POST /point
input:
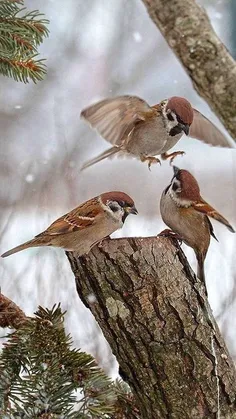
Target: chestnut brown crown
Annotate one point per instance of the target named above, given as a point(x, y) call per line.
point(120, 197)
point(182, 108)
point(189, 187)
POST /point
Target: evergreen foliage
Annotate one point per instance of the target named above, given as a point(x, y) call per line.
point(21, 33)
point(42, 376)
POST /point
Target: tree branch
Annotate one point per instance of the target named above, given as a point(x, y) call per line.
point(187, 29)
point(10, 314)
point(155, 316)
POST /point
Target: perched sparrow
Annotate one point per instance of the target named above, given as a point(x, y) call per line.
point(144, 131)
point(186, 213)
point(80, 229)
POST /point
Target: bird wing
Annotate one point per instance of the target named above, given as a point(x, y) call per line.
point(205, 208)
point(115, 118)
point(211, 229)
point(75, 220)
point(203, 129)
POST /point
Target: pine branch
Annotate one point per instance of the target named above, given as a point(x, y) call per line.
point(42, 376)
point(21, 33)
point(23, 70)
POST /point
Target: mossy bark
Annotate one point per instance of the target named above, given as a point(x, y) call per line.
point(187, 29)
point(154, 313)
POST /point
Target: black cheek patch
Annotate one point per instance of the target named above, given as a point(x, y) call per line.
point(114, 207)
point(176, 130)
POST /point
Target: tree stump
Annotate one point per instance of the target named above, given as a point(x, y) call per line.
point(154, 313)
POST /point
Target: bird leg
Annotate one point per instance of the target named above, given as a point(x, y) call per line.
point(150, 159)
point(169, 233)
point(172, 156)
point(100, 242)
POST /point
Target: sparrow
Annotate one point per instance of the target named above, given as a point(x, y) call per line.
point(186, 213)
point(144, 131)
point(83, 227)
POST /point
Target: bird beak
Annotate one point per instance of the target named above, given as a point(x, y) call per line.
point(185, 128)
point(131, 210)
point(176, 170)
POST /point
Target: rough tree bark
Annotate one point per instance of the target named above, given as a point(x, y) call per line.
point(188, 31)
point(155, 316)
point(10, 314)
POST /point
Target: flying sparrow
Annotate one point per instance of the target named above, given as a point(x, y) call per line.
point(144, 131)
point(186, 213)
point(80, 229)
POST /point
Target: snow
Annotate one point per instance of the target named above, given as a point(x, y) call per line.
point(29, 178)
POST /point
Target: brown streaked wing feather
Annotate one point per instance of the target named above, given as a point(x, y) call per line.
point(157, 107)
point(211, 229)
point(204, 207)
point(203, 129)
point(115, 118)
point(77, 219)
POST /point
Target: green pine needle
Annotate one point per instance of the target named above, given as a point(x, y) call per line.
point(42, 374)
point(21, 33)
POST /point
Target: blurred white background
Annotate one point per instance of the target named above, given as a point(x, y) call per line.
point(100, 48)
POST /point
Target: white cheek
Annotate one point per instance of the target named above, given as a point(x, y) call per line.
point(169, 124)
point(118, 214)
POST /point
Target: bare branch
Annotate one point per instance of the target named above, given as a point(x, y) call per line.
point(187, 29)
point(10, 314)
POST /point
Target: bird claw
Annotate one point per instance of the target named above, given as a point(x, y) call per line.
point(169, 233)
point(100, 242)
point(151, 160)
point(172, 156)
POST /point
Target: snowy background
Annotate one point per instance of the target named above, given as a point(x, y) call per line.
point(100, 48)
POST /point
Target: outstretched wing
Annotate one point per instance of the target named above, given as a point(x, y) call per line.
point(204, 207)
point(115, 118)
point(77, 219)
point(203, 129)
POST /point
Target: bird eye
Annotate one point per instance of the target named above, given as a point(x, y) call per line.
point(180, 121)
point(176, 186)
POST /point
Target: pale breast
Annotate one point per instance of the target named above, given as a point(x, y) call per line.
point(150, 138)
point(171, 141)
point(191, 225)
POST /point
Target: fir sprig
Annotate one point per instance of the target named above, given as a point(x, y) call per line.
point(42, 376)
point(21, 32)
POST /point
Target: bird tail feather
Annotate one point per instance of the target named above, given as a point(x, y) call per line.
point(26, 245)
point(201, 270)
point(205, 208)
point(222, 220)
point(108, 153)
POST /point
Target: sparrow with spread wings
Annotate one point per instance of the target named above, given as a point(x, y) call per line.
point(143, 131)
